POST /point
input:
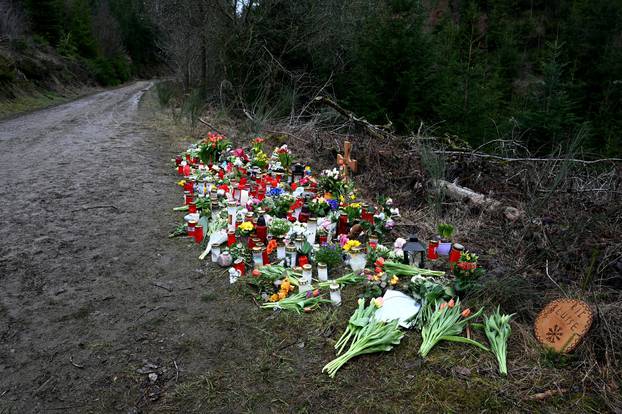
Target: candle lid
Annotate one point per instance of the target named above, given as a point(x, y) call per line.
point(291, 248)
point(307, 267)
point(215, 245)
point(458, 246)
point(321, 265)
point(311, 219)
point(334, 286)
point(356, 249)
point(256, 249)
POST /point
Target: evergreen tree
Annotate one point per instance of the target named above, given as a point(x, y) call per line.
point(45, 18)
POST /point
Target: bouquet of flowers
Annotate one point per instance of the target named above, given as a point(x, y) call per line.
point(279, 227)
point(498, 330)
point(446, 324)
point(212, 147)
point(319, 207)
point(466, 271)
point(373, 336)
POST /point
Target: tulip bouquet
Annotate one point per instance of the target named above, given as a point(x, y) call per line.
point(498, 330)
point(301, 301)
point(400, 269)
point(446, 324)
point(359, 319)
point(349, 279)
point(376, 336)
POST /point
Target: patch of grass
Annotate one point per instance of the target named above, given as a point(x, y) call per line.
point(30, 102)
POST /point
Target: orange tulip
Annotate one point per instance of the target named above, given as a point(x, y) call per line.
point(466, 313)
point(443, 306)
point(451, 303)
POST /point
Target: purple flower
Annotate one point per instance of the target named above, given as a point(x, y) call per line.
point(334, 204)
point(309, 294)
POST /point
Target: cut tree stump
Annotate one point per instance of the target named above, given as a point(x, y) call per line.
point(469, 196)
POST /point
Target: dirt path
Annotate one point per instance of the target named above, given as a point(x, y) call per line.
point(91, 290)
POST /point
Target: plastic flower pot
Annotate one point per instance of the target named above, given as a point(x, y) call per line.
point(443, 248)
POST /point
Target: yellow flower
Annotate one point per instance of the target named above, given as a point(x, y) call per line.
point(246, 226)
point(342, 199)
point(350, 244)
point(394, 280)
point(181, 183)
point(274, 298)
point(355, 205)
point(352, 197)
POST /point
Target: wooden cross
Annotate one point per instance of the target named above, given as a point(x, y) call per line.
point(345, 162)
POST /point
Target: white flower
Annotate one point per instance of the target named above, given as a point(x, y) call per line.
point(395, 212)
point(399, 243)
point(389, 202)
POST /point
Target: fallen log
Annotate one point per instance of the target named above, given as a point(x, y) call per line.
point(469, 196)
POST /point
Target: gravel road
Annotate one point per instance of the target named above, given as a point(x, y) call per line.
point(93, 296)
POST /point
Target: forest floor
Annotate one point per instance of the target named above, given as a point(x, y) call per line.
point(94, 297)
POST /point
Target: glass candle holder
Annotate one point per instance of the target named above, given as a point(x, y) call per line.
point(257, 257)
point(322, 272)
point(290, 256)
point(188, 197)
point(357, 259)
point(191, 226)
point(240, 266)
point(455, 252)
point(215, 252)
point(198, 234)
point(311, 230)
point(432, 253)
point(342, 224)
point(192, 208)
point(230, 238)
point(305, 282)
point(335, 294)
point(280, 250)
point(232, 209)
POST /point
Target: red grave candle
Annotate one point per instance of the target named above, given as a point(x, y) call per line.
point(323, 239)
point(342, 224)
point(192, 208)
point(178, 160)
point(191, 227)
point(455, 253)
point(230, 238)
point(240, 266)
point(180, 169)
point(198, 234)
point(432, 245)
point(188, 197)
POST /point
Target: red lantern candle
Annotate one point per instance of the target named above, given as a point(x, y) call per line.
point(186, 170)
point(189, 186)
point(262, 232)
point(342, 224)
point(221, 174)
point(192, 207)
point(187, 156)
point(195, 160)
point(455, 253)
point(191, 227)
point(264, 255)
point(188, 197)
point(178, 160)
point(198, 234)
point(261, 193)
point(323, 239)
point(303, 217)
point(303, 260)
point(240, 266)
point(180, 169)
point(432, 245)
point(230, 238)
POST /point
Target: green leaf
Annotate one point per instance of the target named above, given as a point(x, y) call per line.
point(463, 340)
